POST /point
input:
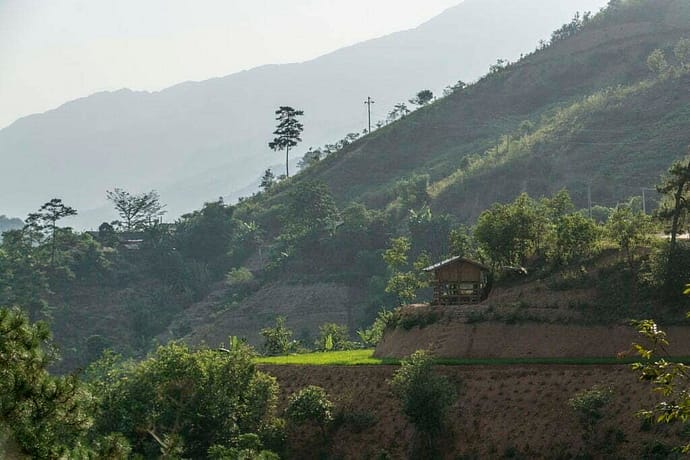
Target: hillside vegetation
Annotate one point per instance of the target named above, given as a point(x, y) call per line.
point(595, 113)
point(496, 171)
point(196, 141)
point(584, 110)
point(517, 411)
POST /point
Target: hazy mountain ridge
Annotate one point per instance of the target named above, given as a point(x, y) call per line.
point(592, 82)
point(141, 140)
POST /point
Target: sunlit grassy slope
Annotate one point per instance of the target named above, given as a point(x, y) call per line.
point(365, 357)
point(333, 358)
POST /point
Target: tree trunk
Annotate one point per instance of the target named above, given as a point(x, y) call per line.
point(670, 262)
point(52, 246)
point(676, 214)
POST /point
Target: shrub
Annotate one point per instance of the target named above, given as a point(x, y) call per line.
point(373, 335)
point(241, 281)
point(333, 337)
point(588, 406)
point(278, 339)
point(426, 397)
point(310, 404)
point(417, 317)
point(191, 400)
point(667, 275)
point(239, 276)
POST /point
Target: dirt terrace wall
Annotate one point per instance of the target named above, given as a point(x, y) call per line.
point(518, 411)
point(528, 340)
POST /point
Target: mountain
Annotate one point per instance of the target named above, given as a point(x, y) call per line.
point(196, 141)
point(584, 113)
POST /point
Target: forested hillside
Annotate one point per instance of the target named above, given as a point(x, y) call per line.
point(538, 171)
point(589, 112)
point(196, 141)
point(586, 109)
point(601, 107)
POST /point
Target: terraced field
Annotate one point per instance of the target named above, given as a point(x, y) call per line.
point(503, 411)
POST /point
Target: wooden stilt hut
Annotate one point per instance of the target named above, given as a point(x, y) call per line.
point(459, 281)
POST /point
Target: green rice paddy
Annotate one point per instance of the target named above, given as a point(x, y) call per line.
point(366, 357)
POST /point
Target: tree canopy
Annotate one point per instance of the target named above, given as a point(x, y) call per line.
point(46, 220)
point(46, 415)
point(137, 211)
point(426, 397)
point(183, 402)
point(287, 132)
point(422, 98)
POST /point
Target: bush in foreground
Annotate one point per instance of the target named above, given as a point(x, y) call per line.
point(183, 402)
point(310, 405)
point(426, 397)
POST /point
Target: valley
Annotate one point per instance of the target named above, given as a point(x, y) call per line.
point(561, 177)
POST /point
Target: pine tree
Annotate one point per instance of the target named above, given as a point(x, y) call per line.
point(287, 132)
point(46, 219)
point(677, 187)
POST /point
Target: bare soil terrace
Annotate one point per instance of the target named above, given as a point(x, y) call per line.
point(518, 411)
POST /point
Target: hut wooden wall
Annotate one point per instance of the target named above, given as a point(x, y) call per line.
point(460, 272)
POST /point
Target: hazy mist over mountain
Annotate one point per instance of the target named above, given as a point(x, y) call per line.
point(196, 141)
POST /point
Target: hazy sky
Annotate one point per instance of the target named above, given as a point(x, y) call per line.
point(52, 51)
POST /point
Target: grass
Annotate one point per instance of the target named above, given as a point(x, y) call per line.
point(365, 357)
point(330, 358)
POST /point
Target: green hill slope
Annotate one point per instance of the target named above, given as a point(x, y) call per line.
point(589, 128)
point(584, 112)
point(615, 141)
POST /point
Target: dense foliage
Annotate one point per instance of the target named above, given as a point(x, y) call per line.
point(177, 402)
point(47, 416)
point(310, 405)
point(671, 380)
point(369, 222)
point(277, 339)
point(426, 397)
point(183, 401)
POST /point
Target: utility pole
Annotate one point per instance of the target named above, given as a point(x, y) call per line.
point(368, 102)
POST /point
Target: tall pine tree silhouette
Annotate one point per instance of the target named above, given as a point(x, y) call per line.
point(287, 132)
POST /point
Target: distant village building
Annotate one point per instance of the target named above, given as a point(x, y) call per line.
point(459, 281)
point(106, 234)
